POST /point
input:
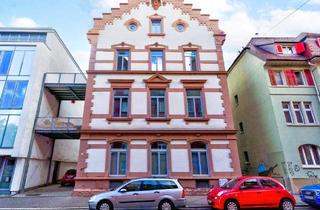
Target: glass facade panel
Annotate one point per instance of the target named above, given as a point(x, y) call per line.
point(5, 60)
point(16, 63)
point(13, 94)
point(27, 63)
point(3, 124)
point(22, 37)
point(11, 131)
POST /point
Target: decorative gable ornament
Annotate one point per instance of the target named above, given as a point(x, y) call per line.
point(156, 4)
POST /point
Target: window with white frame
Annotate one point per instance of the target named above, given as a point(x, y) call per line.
point(279, 78)
point(298, 112)
point(118, 160)
point(289, 50)
point(309, 113)
point(299, 78)
point(310, 155)
point(287, 112)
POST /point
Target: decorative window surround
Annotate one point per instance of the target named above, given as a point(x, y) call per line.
point(180, 22)
point(299, 114)
point(130, 22)
point(310, 156)
point(153, 20)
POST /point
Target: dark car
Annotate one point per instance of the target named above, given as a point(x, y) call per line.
point(310, 194)
point(68, 178)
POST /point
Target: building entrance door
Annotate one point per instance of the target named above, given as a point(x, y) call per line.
point(6, 173)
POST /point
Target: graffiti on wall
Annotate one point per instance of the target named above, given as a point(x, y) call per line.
point(292, 169)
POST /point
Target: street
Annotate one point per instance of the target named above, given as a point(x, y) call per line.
point(61, 203)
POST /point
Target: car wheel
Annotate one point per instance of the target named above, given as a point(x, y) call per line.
point(286, 204)
point(166, 205)
point(231, 205)
point(104, 205)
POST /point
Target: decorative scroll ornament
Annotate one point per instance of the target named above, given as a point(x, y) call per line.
point(156, 4)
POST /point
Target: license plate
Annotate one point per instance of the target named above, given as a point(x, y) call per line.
point(309, 197)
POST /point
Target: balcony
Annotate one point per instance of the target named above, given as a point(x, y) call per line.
point(66, 86)
point(59, 128)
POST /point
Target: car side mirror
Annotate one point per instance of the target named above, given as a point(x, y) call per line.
point(123, 190)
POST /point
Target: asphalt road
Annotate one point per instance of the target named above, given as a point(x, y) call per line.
point(61, 203)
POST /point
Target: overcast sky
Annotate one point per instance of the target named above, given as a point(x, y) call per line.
point(240, 19)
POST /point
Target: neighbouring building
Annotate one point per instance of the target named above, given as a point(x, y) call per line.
point(274, 89)
point(32, 63)
point(157, 100)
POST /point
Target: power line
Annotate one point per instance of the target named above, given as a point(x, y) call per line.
point(286, 17)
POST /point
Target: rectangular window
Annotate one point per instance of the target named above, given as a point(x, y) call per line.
point(5, 60)
point(241, 128)
point(289, 50)
point(236, 99)
point(287, 112)
point(299, 78)
point(194, 101)
point(13, 94)
point(158, 103)
point(123, 60)
point(309, 112)
point(190, 58)
point(8, 130)
point(199, 163)
point(279, 78)
point(157, 60)
point(156, 27)
point(120, 102)
point(21, 63)
point(118, 163)
point(298, 112)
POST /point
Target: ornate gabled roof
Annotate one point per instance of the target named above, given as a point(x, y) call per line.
point(108, 18)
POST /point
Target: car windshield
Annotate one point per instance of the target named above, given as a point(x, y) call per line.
point(231, 184)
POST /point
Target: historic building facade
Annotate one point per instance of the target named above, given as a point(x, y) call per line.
point(274, 89)
point(157, 100)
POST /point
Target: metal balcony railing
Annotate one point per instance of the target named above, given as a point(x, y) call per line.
point(66, 86)
point(59, 128)
point(65, 78)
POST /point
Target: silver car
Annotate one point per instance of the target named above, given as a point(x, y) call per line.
point(147, 193)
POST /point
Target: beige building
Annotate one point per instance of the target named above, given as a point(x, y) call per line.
point(157, 100)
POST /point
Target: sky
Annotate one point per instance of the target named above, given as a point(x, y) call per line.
point(239, 19)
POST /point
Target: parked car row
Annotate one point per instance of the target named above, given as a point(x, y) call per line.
point(166, 194)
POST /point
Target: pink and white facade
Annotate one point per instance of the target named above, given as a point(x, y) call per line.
point(157, 99)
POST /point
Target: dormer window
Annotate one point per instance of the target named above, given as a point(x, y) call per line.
point(289, 50)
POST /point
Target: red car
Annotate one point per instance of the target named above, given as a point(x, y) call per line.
point(251, 192)
point(68, 177)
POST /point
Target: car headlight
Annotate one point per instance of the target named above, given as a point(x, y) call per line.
point(93, 198)
point(317, 192)
point(221, 193)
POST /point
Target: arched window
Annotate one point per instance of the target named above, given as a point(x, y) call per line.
point(159, 159)
point(310, 155)
point(199, 158)
point(118, 160)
